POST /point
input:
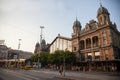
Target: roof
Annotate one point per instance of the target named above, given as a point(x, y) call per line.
point(102, 10)
point(76, 23)
point(61, 37)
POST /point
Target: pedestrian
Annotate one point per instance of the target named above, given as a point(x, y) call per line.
point(60, 71)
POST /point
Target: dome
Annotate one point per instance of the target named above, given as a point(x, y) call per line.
point(102, 10)
point(76, 23)
point(37, 44)
point(43, 42)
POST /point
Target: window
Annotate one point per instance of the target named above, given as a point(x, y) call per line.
point(106, 55)
point(100, 19)
point(104, 37)
point(74, 48)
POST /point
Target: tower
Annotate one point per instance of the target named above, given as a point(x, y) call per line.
point(103, 16)
point(43, 45)
point(37, 48)
point(76, 28)
point(76, 38)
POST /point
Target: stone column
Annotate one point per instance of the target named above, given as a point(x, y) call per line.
point(91, 43)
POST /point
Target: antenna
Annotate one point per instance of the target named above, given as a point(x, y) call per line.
point(76, 13)
point(100, 2)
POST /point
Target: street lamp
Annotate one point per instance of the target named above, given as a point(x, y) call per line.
point(6, 52)
point(64, 66)
point(18, 51)
point(41, 27)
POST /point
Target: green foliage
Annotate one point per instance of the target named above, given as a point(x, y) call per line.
point(34, 58)
point(44, 58)
point(55, 58)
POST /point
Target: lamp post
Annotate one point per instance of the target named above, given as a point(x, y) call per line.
point(64, 66)
point(18, 52)
point(41, 27)
point(6, 52)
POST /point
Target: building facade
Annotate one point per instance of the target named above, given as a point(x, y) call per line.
point(98, 40)
point(3, 52)
point(97, 45)
point(60, 43)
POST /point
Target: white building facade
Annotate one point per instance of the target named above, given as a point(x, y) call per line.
point(60, 43)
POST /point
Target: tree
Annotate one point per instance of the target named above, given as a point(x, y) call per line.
point(34, 58)
point(44, 58)
point(70, 57)
point(55, 58)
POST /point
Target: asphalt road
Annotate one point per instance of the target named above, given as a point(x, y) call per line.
point(7, 74)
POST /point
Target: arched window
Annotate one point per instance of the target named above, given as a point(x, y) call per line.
point(88, 43)
point(95, 41)
point(82, 44)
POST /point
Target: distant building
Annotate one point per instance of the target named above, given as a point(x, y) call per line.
point(60, 43)
point(3, 52)
point(37, 48)
point(43, 47)
point(13, 54)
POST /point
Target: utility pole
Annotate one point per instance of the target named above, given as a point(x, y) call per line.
point(6, 52)
point(41, 27)
point(18, 52)
point(64, 66)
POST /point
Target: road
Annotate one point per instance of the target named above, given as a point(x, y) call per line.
point(7, 74)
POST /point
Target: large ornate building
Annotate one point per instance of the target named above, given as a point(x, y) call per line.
point(97, 45)
point(98, 40)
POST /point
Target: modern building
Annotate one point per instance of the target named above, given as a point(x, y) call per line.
point(13, 54)
point(3, 52)
point(60, 43)
point(9, 56)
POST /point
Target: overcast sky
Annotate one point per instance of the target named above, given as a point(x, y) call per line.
point(21, 19)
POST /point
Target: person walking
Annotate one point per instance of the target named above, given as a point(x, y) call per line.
point(60, 70)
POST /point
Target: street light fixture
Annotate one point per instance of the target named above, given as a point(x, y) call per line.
point(64, 66)
point(18, 52)
point(41, 27)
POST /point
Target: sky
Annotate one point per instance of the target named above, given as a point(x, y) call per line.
point(21, 19)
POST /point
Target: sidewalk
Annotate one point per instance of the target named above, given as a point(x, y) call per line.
point(80, 75)
point(86, 72)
